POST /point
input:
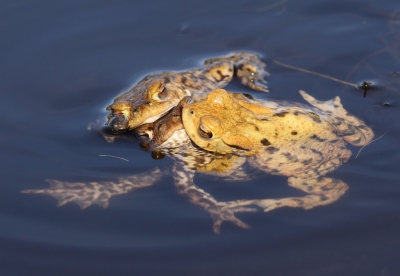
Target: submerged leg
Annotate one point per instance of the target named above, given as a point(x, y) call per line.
point(87, 193)
point(352, 129)
point(219, 211)
point(321, 191)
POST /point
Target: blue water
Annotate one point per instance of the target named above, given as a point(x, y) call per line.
point(63, 62)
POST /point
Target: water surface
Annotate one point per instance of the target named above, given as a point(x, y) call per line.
point(63, 62)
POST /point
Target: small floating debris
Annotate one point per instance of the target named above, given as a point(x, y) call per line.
point(106, 155)
point(366, 85)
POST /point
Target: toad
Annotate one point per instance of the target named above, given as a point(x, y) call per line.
point(299, 142)
point(157, 93)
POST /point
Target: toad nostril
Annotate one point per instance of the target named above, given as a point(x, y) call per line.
point(119, 123)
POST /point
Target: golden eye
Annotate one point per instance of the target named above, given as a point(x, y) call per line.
point(204, 132)
point(161, 89)
point(161, 92)
point(157, 91)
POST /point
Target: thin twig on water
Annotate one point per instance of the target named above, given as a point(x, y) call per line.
point(315, 73)
point(370, 143)
point(114, 157)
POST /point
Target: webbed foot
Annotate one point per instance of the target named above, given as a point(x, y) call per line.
point(250, 70)
point(225, 212)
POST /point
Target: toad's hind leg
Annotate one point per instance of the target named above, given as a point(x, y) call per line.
point(219, 211)
point(353, 130)
point(249, 69)
point(97, 192)
point(321, 190)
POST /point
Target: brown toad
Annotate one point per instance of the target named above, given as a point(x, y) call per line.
point(302, 143)
point(157, 93)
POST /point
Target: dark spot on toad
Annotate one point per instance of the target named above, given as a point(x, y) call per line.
point(271, 150)
point(294, 132)
point(316, 137)
point(265, 142)
point(281, 114)
point(324, 188)
point(317, 152)
point(307, 162)
point(323, 197)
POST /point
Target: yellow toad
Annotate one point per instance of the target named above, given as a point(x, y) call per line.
point(300, 142)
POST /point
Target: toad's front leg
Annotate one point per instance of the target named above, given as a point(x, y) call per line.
point(321, 191)
point(248, 66)
point(219, 211)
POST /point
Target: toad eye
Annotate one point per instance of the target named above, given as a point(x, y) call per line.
point(158, 92)
point(204, 132)
point(162, 92)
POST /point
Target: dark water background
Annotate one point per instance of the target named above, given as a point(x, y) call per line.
point(62, 63)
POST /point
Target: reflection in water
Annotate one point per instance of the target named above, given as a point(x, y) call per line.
point(301, 142)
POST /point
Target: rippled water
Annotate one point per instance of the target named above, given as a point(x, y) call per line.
point(63, 62)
